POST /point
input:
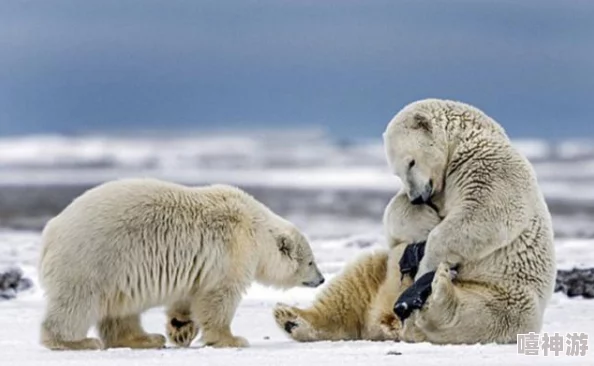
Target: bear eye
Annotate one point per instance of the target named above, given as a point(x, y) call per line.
point(310, 263)
point(411, 164)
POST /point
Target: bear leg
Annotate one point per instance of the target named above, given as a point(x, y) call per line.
point(436, 312)
point(301, 325)
point(441, 305)
point(215, 310)
point(127, 332)
point(66, 323)
point(471, 313)
point(410, 332)
point(383, 323)
point(181, 328)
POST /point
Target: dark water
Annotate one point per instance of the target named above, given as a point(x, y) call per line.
point(321, 212)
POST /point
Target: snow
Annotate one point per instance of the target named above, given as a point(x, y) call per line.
point(19, 323)
point(298, 160)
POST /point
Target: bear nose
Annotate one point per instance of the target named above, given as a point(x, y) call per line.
point(418, 200)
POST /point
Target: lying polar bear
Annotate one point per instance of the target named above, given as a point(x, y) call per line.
point(358, 303)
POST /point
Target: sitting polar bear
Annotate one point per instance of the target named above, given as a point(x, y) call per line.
point(129, 245)
point(358, 303)
point(496, 228)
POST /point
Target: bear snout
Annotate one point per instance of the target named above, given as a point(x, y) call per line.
point(423, 195)
point(315, 283)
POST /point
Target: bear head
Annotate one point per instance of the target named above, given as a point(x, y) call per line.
point(416, 149)
point(291, 262)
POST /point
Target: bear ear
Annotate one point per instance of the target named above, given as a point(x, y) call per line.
point(284, 245)
point(421, 121)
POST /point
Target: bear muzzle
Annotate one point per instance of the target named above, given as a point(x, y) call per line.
point(315, 283)
point(423, 195)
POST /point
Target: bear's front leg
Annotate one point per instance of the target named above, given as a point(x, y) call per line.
point(215, 310)
point(432, 285)
point(442, 303)
point(414, 297)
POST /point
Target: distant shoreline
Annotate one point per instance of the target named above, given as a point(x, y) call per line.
point(29, 206)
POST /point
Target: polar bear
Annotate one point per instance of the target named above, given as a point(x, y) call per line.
point(358, 303)
point(496, 228)
point(129, 245)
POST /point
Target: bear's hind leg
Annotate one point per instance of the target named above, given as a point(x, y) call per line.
point(306, 325)
point(127, 332)
point(181, 328)
point(470, 313)
point(215, 311)
point(66, 324)
point(382, 322)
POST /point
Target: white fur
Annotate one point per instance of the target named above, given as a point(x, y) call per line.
point(405, 223)
point(358, 304)
point(496, 225)
point(129, 245)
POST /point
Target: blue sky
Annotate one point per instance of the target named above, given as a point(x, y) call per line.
point(346, 66)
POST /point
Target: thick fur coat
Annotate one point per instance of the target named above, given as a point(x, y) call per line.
point(358, 303)
point(496, 227)
point(129, 245)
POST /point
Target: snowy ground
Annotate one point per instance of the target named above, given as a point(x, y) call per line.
point(19, 321)
point(335, 192)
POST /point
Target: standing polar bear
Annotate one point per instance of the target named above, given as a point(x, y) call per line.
point(496, 228)
point(358, 303)
point(129, 245)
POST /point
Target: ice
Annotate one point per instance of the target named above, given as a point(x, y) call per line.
point(533, 149)
point(303, 159)
point(576, 149)
point(20, 317)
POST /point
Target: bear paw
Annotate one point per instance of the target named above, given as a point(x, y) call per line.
point(410, 332)
point(82, 345)
point(294, 325)
point(414, 297)
point(229, 342)
point(442, 282)
point(390, 326)
point(144, 341)
point(285, 317)
point(149, 341)
point(181, 332)
point(409, 262)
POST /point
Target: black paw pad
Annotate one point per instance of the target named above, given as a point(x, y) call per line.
point(409, 262)
point(289, 326)
point(178, 323)
point(414, 297)
point(402, 310)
